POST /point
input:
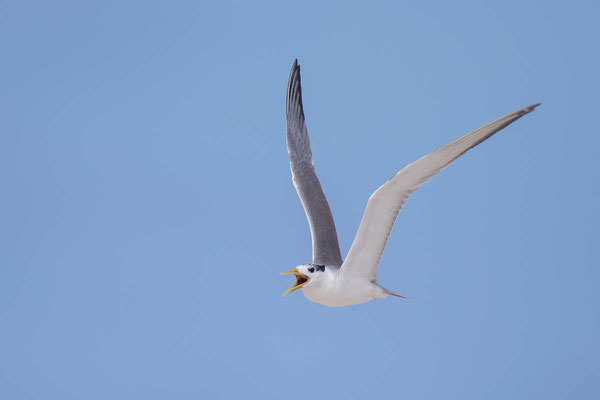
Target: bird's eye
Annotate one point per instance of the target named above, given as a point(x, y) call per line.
point(311, 270)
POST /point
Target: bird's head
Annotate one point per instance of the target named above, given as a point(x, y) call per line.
point(306, 275)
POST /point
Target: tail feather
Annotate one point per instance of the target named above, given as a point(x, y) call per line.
point(397, 295)
point(389, 292)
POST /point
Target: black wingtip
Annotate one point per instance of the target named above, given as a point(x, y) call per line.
point(295, 67)
point(294, 89)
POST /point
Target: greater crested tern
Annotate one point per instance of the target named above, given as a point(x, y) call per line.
point(329, 280)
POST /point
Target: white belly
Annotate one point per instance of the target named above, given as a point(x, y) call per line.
point(345, 295)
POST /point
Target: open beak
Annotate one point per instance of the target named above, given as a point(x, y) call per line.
point(301, 280)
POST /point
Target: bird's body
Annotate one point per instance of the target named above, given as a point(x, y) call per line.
point(334, 289)
point(329, 280)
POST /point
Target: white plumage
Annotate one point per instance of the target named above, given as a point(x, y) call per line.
point(327, 280)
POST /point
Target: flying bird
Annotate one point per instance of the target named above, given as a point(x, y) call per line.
point(329, 279)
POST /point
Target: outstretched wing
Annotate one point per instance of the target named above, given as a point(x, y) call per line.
point(385, 203)
point(325, 246)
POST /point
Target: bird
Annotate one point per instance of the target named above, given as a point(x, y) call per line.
point(329, 279)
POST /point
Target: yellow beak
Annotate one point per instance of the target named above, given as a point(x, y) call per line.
point(301, 280)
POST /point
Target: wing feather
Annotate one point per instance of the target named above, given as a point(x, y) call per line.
point(385, 203)
point(325, 246)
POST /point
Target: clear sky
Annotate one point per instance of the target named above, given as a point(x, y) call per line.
point(147, 207)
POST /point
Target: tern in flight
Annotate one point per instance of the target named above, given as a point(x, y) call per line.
point(329, 280)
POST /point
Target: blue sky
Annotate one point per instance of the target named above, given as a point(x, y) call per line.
point(147, 206)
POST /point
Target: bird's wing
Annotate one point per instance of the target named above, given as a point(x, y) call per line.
point(385, 203)
point(325, 246)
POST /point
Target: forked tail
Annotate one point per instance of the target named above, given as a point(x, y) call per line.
point(390, 293)
point(397, 295)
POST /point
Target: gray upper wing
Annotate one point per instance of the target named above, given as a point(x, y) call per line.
point(325, 246)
